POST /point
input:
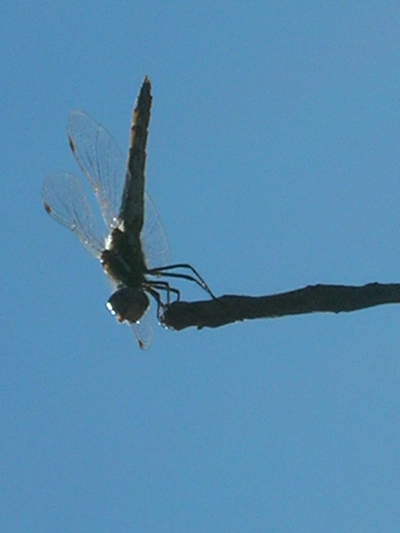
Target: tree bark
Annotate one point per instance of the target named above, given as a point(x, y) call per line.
point(311, 299)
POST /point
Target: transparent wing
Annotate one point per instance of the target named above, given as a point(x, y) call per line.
point(143, 329)
point(105, 169)
point(65, 200)
point(101, 161)
point(153, 237)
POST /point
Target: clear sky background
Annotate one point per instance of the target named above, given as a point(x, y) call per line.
point(274, 161)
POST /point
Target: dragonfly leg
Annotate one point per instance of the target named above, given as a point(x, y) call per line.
point(161, 271)
point(153, 288)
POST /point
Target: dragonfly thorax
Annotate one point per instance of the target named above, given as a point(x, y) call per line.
point(123, 259)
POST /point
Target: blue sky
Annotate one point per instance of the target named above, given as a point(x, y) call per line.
point(274, 161)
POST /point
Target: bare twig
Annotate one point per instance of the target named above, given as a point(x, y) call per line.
point(311, 299)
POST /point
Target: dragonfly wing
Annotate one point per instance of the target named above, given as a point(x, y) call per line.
point(143, 330)
point(65, 201)
point(101, 161)
point(153, 237)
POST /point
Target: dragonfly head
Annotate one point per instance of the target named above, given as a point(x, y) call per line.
point(128, 304)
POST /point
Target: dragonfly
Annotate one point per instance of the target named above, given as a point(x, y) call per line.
point(131, 246)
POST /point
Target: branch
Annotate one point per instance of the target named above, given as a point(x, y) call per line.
point(311, 299)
